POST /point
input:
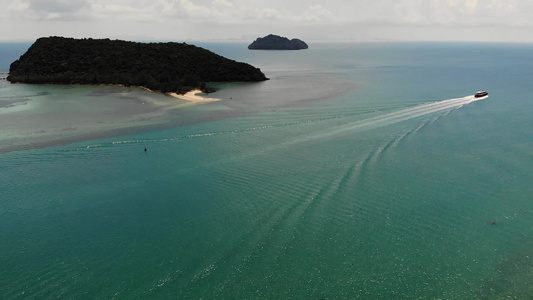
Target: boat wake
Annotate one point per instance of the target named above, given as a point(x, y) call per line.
point(444, 106)
point(395, 117)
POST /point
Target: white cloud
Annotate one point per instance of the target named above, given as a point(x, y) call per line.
point(51, 10)
point(266, 13)
point(316, 13)
point(223, 3)
point(191, 9)
point(471, 4)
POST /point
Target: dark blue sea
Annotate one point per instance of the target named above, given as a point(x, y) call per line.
point(358, 171)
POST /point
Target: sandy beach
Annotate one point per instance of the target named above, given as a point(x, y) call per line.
point(192, 96)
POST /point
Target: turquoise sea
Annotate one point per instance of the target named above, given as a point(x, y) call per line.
point(358, 171)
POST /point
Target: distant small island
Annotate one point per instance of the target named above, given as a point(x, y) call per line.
point(276, 42)
point(164, 67)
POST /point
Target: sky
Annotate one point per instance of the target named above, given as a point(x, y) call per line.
point(245, 20)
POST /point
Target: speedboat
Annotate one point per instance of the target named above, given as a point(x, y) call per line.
point(481, 94)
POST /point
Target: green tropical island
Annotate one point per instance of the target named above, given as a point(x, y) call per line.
point(165, 67)
point(276, 42)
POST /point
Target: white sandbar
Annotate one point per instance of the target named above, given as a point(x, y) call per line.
point(192, 96)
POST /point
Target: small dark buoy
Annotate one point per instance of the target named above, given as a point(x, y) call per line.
point(145, 149)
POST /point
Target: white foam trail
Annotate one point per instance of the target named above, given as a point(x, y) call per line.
point(395, 117)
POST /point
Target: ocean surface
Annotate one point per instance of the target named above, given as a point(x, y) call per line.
point(358, 171)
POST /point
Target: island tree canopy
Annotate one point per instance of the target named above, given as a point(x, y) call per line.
point(166, 67)
point(276, 42)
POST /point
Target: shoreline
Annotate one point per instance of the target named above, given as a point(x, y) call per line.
point(190, 96)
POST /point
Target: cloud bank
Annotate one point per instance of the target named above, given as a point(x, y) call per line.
point(209, 18)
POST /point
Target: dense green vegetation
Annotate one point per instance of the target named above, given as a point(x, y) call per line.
point(166, 67)
point(276, 42)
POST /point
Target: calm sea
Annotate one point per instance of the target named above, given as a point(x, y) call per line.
point(358, 171)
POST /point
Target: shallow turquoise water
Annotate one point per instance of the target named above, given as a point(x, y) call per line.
point(358, 171)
